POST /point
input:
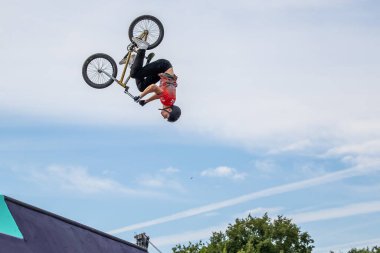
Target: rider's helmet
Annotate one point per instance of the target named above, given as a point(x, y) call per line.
point(174, 114)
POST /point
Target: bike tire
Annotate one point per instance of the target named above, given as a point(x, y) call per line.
point(150, 23)
point(91, 74)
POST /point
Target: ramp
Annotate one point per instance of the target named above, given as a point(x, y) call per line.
point(28, 229)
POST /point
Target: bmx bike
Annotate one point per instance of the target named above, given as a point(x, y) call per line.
point(100, 70)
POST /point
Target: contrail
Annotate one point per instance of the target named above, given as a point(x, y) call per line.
point(337, 212)
point(305, 217)
point(327, 178)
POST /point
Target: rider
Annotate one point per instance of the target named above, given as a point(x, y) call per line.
point(146, 77)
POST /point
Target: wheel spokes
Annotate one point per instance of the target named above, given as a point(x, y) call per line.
point(94, 73)
point(149, 26)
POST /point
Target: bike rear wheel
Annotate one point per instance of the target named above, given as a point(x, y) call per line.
point(93, 70)
point(150, 25)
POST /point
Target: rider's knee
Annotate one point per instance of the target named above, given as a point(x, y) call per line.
point(141, 86)
point(165, 64)
point(168, 64)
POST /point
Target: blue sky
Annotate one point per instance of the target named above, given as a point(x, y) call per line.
point(280, 115)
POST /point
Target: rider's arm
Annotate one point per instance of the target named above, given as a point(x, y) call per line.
point(154, 97)
point(151, 88)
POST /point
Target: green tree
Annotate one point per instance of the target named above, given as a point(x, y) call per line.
point(375, 249)
point(191, 248)
point(255, 235)
point(366, 250)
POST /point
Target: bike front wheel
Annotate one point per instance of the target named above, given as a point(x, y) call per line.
point(95, 68)
point(150, 26)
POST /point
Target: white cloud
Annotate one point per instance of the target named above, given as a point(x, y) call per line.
point(77, 179)
point(364, 153)
point(270, 5)
point(170, 170)
point(286, 87)
point(308, 183)
point(371, 147)
point(225, 172)
point(265, 166)
point(311, 169)
point(338, 212)
point(159, 182)
point(293, 147)
point(165, 179)
point(152, 182)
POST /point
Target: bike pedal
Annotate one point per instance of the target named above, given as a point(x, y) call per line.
point(123, 61)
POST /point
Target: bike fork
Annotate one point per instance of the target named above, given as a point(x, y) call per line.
point(128, 93)
point(113, 78)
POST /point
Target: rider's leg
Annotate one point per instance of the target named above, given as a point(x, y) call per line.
point(151, 69)
point(148, 74)
point(159, 66)
point(141, 84)
point(138, 64)
point(135, 70)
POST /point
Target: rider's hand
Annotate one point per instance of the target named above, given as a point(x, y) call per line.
point(137, 99)
point(142, 102)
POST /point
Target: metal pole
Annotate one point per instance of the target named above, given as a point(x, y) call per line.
point(155, 247)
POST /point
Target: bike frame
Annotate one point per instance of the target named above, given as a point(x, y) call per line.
point(121, 82)
point(143, 36)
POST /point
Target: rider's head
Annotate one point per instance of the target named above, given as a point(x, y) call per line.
point(172, 113)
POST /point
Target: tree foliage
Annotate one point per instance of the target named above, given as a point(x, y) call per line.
point(255, 235)
point(374, 249)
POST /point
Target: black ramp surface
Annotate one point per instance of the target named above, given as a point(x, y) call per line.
point(45, 232)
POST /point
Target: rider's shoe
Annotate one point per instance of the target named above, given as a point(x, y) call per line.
point(141, 44)
point(149, 58)
point(131, 60)
point(123, 60)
